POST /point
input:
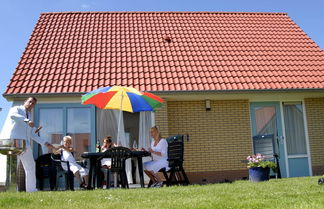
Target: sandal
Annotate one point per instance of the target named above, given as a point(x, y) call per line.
point(83, 186)
point(159, 184)
point(154, 184)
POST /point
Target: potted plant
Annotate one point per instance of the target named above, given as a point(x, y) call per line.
point(259, 168)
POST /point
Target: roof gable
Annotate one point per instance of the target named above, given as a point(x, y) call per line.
point(167, 51)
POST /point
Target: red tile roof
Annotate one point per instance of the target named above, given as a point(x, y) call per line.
point(167, 51)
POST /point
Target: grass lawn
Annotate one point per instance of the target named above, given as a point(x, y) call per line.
point(283, 193)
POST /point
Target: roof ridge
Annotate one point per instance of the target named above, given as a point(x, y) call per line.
point(176, 12)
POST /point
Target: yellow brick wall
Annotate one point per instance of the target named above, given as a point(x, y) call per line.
point(315, 122)
point(161, 119)
point(219, 139)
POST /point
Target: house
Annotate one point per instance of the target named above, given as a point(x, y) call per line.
point(236, 83)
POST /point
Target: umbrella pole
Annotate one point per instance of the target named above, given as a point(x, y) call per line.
point(119, 120)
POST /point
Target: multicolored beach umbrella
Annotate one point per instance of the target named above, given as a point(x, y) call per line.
point(122, 98)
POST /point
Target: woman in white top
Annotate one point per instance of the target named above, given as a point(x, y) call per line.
point(159, 152)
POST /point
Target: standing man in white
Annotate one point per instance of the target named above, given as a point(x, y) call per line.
point(18, 125)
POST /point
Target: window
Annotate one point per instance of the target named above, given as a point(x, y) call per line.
point(79, 128)
point(75, 120)
point(51, 121)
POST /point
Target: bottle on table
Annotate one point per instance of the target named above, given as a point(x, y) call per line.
point(98, 147)
point(135, 146)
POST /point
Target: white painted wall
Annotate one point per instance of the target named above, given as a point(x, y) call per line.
point(3, 169)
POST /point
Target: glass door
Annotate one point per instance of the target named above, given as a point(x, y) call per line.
point(79, 128)
point(296, 139)
point(267, 132)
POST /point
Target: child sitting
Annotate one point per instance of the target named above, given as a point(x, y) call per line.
point(107, 143)
point(106, 162)
point(66, 154)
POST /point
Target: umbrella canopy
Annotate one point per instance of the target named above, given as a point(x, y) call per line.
point(122, 98)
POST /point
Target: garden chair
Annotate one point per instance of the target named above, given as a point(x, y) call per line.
point(266, 145)
point(118, 156)
point(176, 175)
point(45, 169)
point(69, 177)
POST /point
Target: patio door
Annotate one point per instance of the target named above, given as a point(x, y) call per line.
point(297, 152)
point(267, 132)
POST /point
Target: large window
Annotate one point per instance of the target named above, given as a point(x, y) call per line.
point(74, 120)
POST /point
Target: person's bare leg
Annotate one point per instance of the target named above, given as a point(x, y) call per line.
point(77, 175)
point(157, 177)
point(85, 180)
point(153, 176)
point(150, 175)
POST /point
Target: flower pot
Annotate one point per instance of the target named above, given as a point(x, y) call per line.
point(257, 174)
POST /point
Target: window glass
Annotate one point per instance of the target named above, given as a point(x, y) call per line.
point(78, 127)
point(295, 131)
point(265, 122)
point(51, 119)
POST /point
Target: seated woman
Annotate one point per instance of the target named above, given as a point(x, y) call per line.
point(107, 144)
point(66, 154)
point(159, 152)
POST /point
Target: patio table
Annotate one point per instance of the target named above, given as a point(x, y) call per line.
point(93, 157)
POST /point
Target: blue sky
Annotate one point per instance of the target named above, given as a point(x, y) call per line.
point(18, 19)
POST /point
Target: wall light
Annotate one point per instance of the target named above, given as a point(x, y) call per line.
point(207, 103)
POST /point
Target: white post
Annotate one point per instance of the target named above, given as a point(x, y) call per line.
point(3, 169)
point(119, 120)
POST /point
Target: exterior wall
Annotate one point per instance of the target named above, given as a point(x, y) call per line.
point(161, 119)
point(315, 122)
point(219, 139)
point(3, 169)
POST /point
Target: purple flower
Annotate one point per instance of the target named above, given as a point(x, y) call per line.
point(255, 160)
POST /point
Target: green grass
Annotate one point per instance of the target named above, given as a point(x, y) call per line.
point(282, 193)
